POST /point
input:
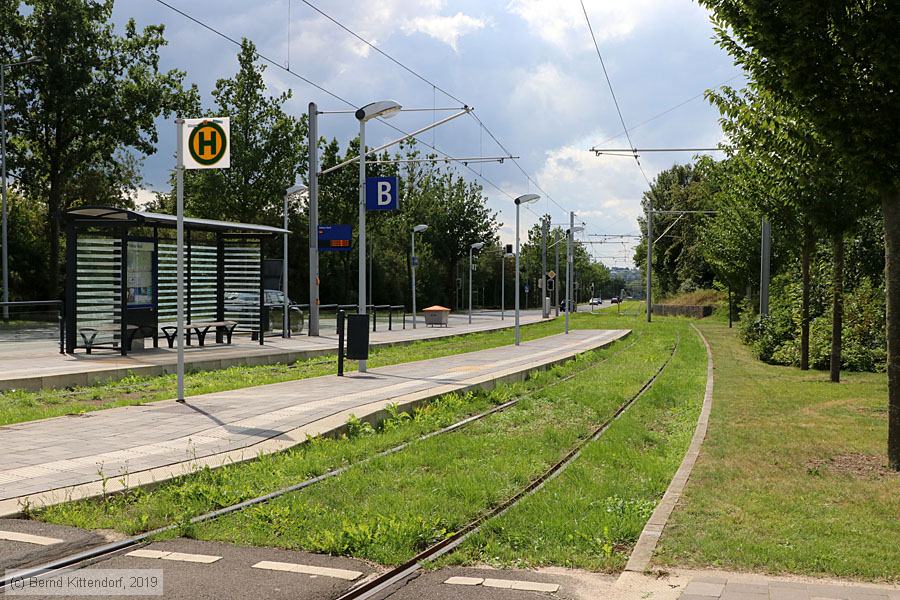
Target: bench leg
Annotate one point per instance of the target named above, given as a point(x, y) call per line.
point(229, 331)
point(201, 336)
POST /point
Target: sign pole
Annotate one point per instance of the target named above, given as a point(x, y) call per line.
point(362, 226)
point(179, 254)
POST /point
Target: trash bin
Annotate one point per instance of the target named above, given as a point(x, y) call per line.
point(437, 316)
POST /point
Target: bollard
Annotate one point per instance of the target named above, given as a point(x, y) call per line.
point(340, 332)
point(374, 317)
point(404, 317)
point(390, 318)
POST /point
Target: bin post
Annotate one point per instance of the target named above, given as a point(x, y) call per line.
point(340, 333)
point(374, 317)
point(390, 319)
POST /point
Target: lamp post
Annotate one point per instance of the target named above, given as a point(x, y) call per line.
point(523, 199)
point(414, 259)
point(383, 109)
point(570, 264)
point(286, 317)
point(472, 248)
point(4, 226)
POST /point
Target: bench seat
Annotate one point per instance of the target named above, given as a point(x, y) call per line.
point(200, 330)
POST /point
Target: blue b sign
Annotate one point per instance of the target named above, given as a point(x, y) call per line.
point(381, 193)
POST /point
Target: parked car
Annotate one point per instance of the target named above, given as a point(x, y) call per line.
point(596, 302)
point(572, 306)
point(244, 306)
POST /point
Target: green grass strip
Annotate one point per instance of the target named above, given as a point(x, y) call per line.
point(592, 514)
point(400, 504)
point(23, 405)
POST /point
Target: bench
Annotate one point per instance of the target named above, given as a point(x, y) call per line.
point(89, 334)
point(200, 330)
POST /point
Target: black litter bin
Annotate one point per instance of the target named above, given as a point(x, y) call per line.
point(358, 337)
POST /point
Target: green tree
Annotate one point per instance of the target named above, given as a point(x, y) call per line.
point(837, 63)
point(268, 150)
point(94, 96)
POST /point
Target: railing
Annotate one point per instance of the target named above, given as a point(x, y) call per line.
point(372, 309)
point(33, 321)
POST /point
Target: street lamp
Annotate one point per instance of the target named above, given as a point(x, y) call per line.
point(3, 227)
point(414, 259)
point(473, 247)
point(286, 318)
point(384, 109)
point(523, 199)
point(570, 259)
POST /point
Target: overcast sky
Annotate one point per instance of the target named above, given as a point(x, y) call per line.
point(527, 66)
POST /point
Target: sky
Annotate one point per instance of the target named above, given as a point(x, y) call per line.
point(528, 67)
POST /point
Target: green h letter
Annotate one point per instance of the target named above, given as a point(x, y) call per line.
point(206, 142)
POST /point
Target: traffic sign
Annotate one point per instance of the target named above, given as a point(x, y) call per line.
point(207, 143)
point(381, 193)
point(415, 261)
point(551, 274)
point(335, 238)
point(527, 288)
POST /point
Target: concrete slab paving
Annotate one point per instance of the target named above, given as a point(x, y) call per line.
point(135, 445)
point(41, 366)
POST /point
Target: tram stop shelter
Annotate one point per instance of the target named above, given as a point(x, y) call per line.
point(121, 276)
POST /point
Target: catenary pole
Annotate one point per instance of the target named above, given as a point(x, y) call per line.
point(312, 142)
point(649, 256)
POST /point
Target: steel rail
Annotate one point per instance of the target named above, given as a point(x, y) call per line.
point(403, 573)
point(108, 549)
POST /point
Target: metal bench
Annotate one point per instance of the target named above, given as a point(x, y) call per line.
point(200, 330)
point(89, 334)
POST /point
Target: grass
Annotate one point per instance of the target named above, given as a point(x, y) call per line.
point(394, 506)
point(24, 405)
point(790, 478)
point(591, 516)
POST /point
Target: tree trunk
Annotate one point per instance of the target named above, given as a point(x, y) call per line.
point(805, 253)
point(890, 207)
point(837, 308)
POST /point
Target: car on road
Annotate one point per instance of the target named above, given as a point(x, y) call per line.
point(572, 306)
point(614, 300)
point(596, 302)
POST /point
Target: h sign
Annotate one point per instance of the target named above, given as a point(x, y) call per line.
point(381, 193)
point(206, 143)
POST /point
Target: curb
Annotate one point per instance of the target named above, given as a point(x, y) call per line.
point(646, 544)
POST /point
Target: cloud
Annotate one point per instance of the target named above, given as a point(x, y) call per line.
point(447, 29)
point(562, 24)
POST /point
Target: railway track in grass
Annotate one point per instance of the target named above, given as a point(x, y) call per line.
point(103, 551)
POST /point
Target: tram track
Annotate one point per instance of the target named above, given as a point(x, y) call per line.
point(387, 583)
point(101, 552)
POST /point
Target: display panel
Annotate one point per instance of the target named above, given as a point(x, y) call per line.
point(140, 274)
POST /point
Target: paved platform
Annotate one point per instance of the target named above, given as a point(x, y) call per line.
point(39, 365)
point(52, 460)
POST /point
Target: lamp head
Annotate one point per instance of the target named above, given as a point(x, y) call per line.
point(527, 199)
point(420, 228)
point(295, 189)
point(477, 246)
point(382, 108)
